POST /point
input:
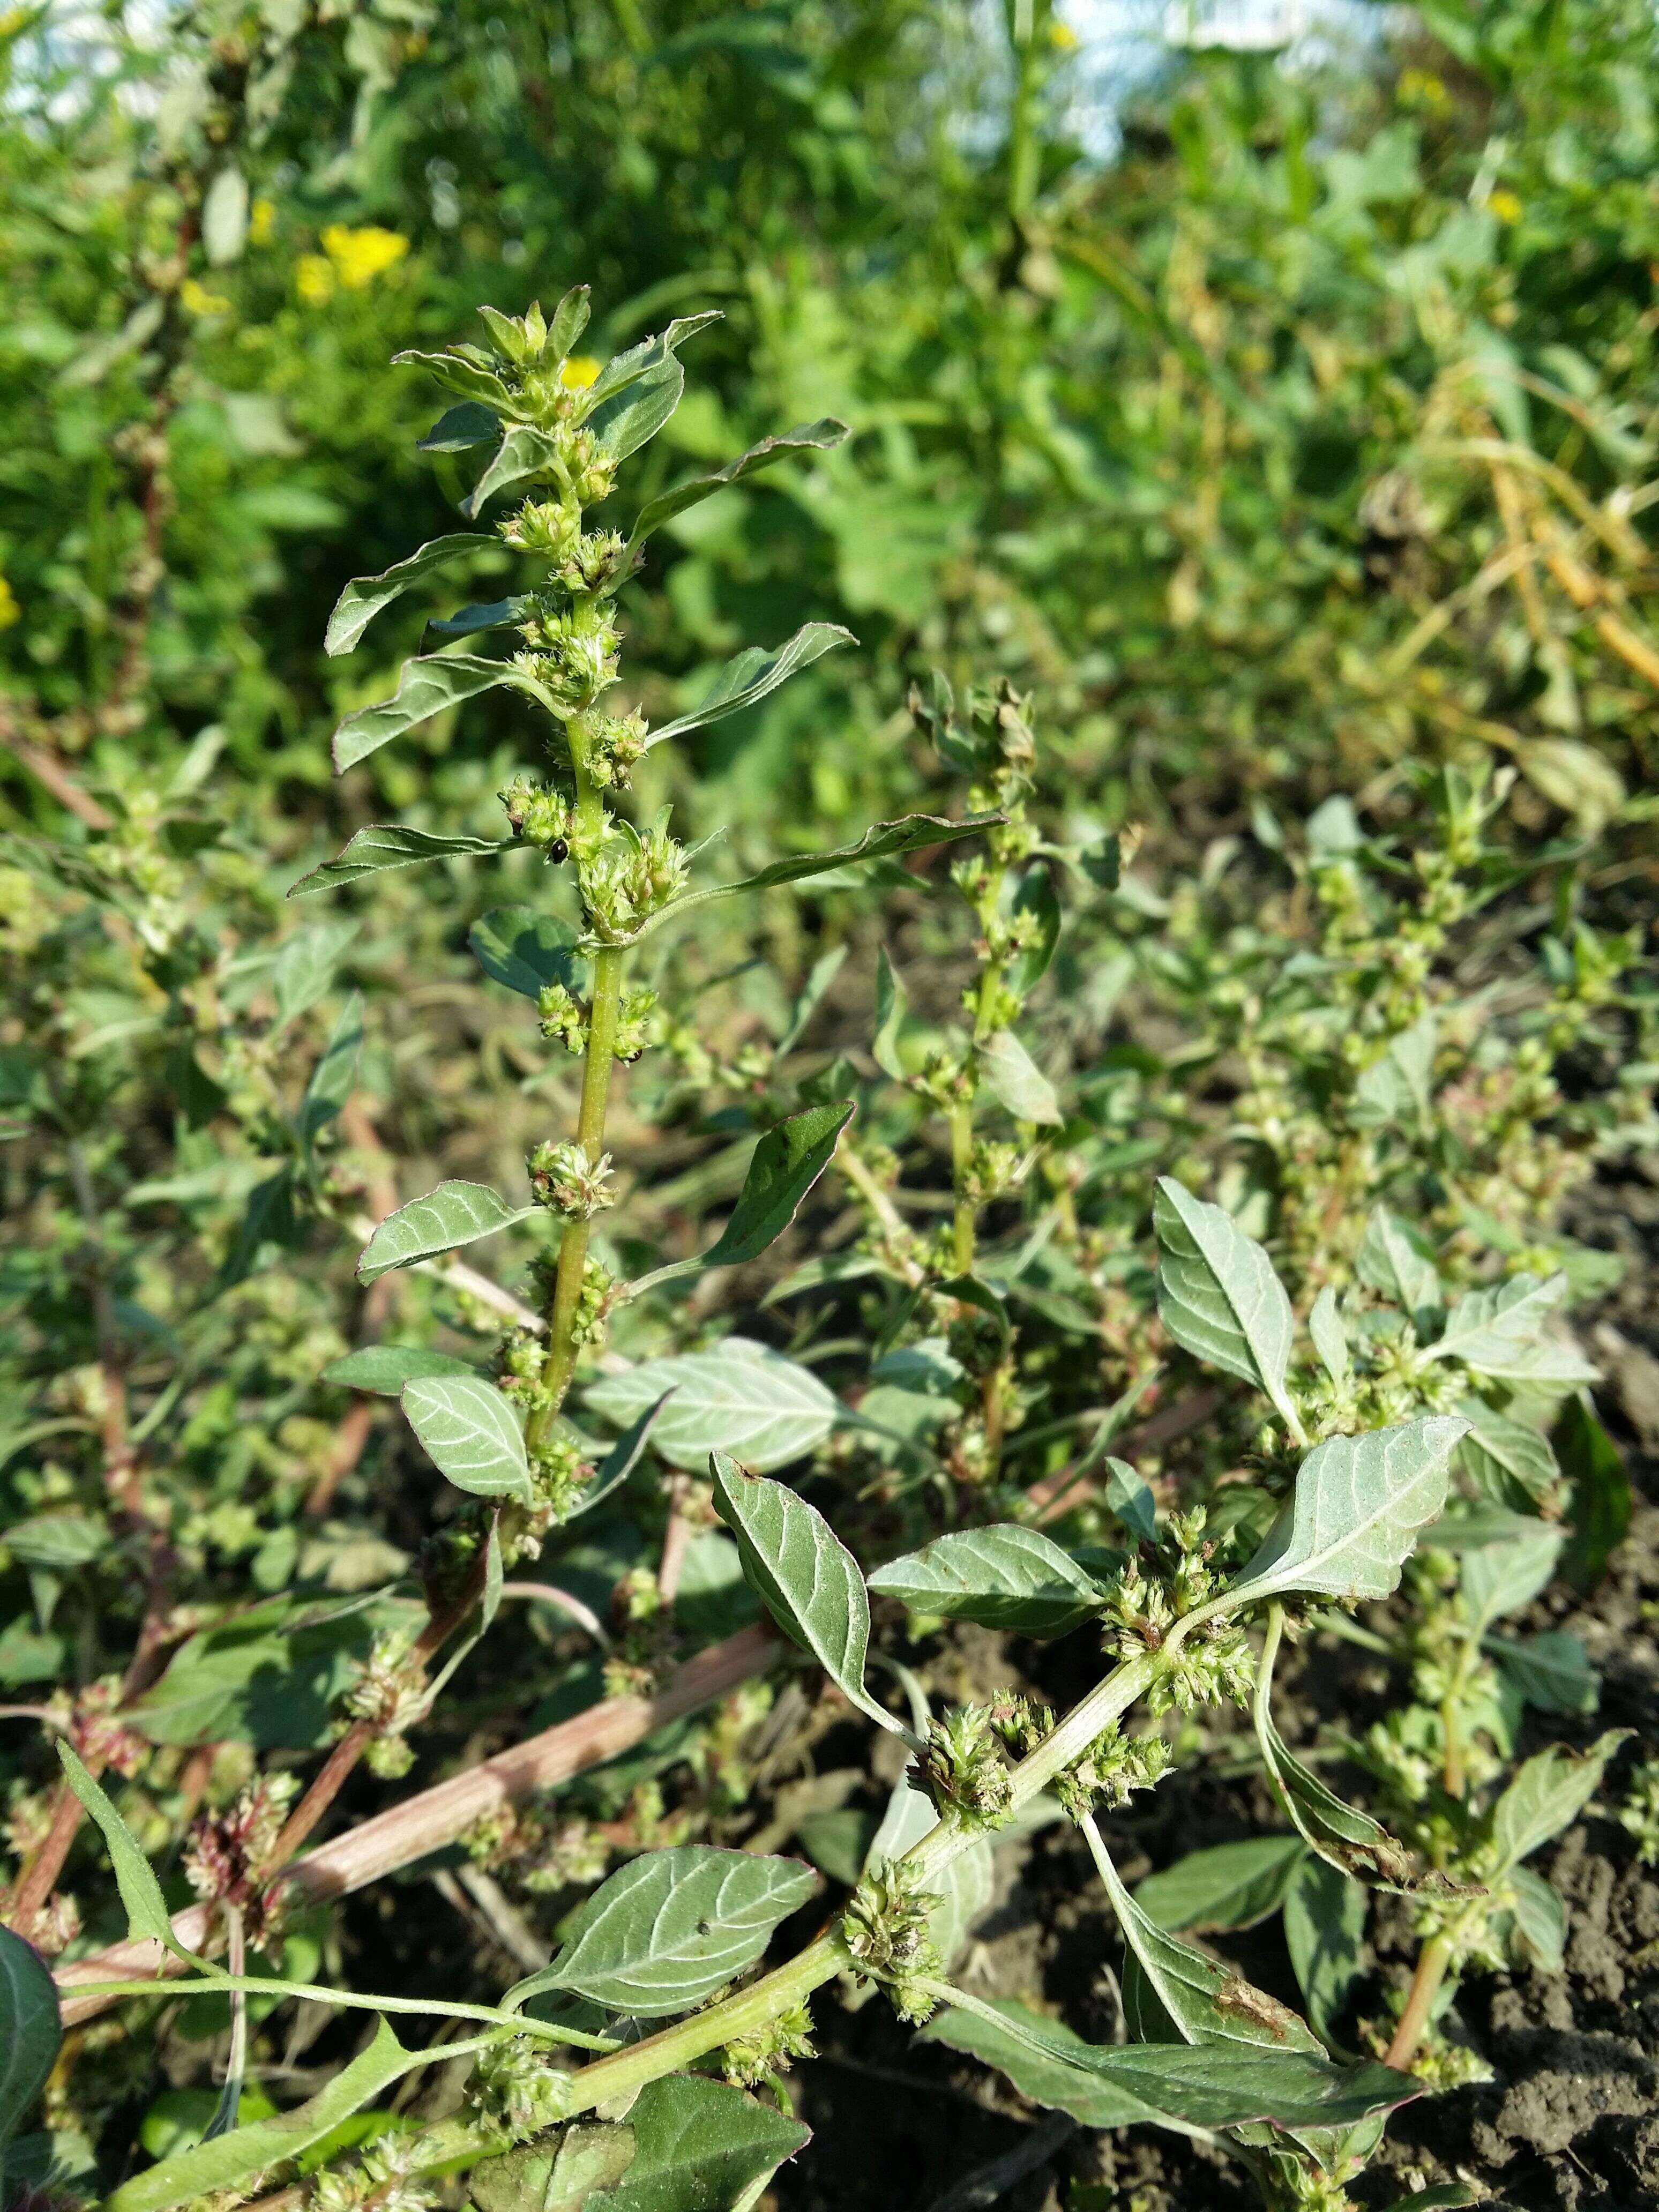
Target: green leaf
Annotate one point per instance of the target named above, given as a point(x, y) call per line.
point(739, 1397)
point(823, 974)
point(430, 684)
point(619, 1462)
point(134, 1877)
point(1168, 2087)
point(1004, 1577)
point(910, 835)
point(62, 1541)
point(642, 360)
point(1325, 1933)
point(334, 1076)
point(494, 614)
point(1015, 1080)
point(31, 2033)
point(456, 373)
point(304, 966)
point(1131, 1499)
point(1502, 1455)
point(582, 2158)
point(1552, 1671)
point(269, 1675)
point(1499, 1332)
point(527, 951)
point(1218, 1297)
point(804, 1575)
point(1038, 899)
point(457, 430)
point(1395, 1258)
point(1599, 1506)
point(1534, 1923)
point(1397, 1087)
point(699, 2146)
point(1342, 1836)
point(470, 1433)
point(753, 675)
point(383, 1369)
point(385, 845)
point(524, 452)
point(1228, 1886)
point(1548, 1794)
point(1355, 1512)
point(237, 2157)
point(786, 1163)
point(454, 1214)
point(807, 438)
point(364, 597)
point(1202, 2000)
point(1330, 1339)
point(224, 216)
point(1496, 1579)
point(891, 1005)
point(670, 1927)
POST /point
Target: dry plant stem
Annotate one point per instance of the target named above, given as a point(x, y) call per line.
point(340, 1762)
point(434, 1817)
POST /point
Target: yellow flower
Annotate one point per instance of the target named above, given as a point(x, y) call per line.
point(10, 611)
point(361, 256)
point(261, 222)
point(1423, 88)
point(579, 372)
point(1062, 38)
point(197, 300)
point(1505, 205)
point(314, 279)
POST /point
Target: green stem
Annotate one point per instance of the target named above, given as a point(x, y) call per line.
point(962, 1153)
point(1022, 141)
point(212, 1984)
point(603, 1016)
point(776, 1992)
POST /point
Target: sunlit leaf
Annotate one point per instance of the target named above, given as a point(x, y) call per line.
point(912, 833)
point(364, 596)
point(385, 845)
point(739, 1397)
point(471, 1432)
point(430, 685)
point(1356, 1510)
point(454, 1214)
point(670, 1927)
point(786, 1163)
point(134, 1877)
point(804, 1575)
point(699, 2146)
point(230, 2160)
point(808, 438)
point(754, 675)
point(1004, 1577)
point(1219, 1296)
point(1546, 1794)
point(1016, 1082)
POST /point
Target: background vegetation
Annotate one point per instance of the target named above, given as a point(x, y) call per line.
point(1293, 457)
